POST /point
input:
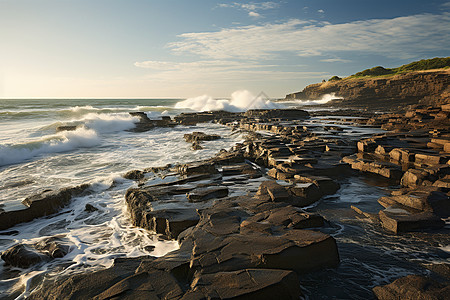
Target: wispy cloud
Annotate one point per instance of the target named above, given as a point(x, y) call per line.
point(252, 8)
point(335, 60)
point(402, 37)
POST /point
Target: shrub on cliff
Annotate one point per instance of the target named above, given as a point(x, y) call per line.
point(335, 78)
point(376, 71)
point(424, 64)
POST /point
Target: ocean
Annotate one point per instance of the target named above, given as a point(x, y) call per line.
point(35, 157)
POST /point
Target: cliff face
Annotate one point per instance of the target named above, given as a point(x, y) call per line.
point(424, 87)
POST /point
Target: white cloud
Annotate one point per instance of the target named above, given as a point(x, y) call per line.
point(321, 11)
point(335, 60)
point(402, 37)
point(251, 7)
point(446, 5)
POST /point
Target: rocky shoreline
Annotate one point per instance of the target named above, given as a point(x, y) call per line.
point(240, 217)
point(384, 92)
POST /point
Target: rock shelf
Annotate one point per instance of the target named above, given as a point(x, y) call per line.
point(254, 244)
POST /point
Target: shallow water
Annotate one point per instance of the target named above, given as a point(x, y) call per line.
point(369, 255)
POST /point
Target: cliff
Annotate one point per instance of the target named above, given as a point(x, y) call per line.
point(429, 87)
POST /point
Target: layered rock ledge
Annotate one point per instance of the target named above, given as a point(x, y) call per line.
point(240, 218)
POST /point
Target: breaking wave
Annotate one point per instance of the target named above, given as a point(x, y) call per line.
point(240, 101)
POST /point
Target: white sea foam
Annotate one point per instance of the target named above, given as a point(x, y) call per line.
point(241, 100)
point(105, 123)
point(325, 99)
point(61, 142)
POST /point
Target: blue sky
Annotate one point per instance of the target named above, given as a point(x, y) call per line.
point(174, 48)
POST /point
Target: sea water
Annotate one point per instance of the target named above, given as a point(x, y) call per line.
point(35, 157)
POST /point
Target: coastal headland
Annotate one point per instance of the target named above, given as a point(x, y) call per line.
point(237, 244)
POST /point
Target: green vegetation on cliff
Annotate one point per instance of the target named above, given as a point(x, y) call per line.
point(421, 65)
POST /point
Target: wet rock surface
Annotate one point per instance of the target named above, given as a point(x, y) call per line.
point(240, 219)
point(39, 205)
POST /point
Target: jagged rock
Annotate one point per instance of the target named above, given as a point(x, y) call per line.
point(413, 287)
point(39, 205)
point(275, 191)
point(134, 175)
point(66, 128)
point(413, 177)
point(196, 146)
point(246, 284)
point(200, 136)
point(90, 208)
point(22, 256)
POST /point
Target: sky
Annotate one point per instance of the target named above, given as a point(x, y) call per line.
point(180, 49)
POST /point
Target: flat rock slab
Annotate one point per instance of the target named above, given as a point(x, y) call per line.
point(298, 250)
point(413, 287)
point(398, 222)
point(154, 284)
point(246, 284)
point(87, 286)
point(207, 193)
point(288, 217)
point(40, 205)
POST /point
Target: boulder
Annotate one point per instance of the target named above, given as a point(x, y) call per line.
point(134, 175)
point(22, 256)
point(200, 136)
